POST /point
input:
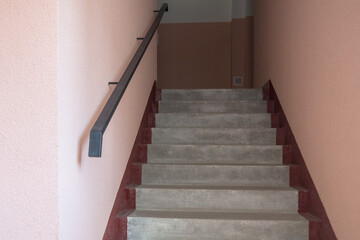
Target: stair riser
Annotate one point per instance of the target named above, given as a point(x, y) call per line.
point(214, 120)
point(220, 154)
point(212, 107)
point(212, 95)
point(214, 136)
point(210, 199)
point(215, 175)
point(192, 229)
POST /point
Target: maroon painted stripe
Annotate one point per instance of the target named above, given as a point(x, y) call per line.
point(126, 196)
point(309, 201)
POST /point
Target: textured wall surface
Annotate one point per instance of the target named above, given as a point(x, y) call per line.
point(28, 120)
point(311, 52)
point(97, 39)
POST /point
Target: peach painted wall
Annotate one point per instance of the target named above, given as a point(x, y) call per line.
point(96, 42)
point(204, 44)
point(242, 51)
point(249, 49)
point(238, 52)
point(311, 52)
point(194, 55)
point(28, 120)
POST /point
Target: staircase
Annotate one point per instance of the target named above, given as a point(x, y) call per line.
point(214, 171)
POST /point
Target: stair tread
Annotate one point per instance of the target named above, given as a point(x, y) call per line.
point(217, 145)
point(212, 89)
point(213, 114)
point(222, 136)
point(212, 94)
point(214, 171)
point(227, 215)
point(215, 187)
point(169, 162)
point(214, 144)
point(211, 120)
point(213, 101)
point(218, 164)
point(213, 107)
point(218, 128)
point(310, 217)
point(225, 145)
point(212, 163)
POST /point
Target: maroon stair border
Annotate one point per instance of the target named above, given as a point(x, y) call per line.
point(309, 200)
point(125, 200)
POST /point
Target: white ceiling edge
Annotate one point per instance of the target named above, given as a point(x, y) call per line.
point(201, 11)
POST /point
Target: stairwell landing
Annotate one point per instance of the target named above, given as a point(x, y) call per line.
point(214, 171)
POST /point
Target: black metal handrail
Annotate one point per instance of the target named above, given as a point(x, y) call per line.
point(97, 132)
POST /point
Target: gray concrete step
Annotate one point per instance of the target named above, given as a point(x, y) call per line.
point(220, 198)
point(215, 154)
point(211, 94)
point(228, 120)
point(176, 225)
point(215, 172)
point(246, 136)
point(215, 175)
point(213, 106)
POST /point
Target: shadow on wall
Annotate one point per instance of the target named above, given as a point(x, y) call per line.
point(93, 55)
point(95, 44)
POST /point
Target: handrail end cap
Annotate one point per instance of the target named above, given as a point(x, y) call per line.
point(95, 144)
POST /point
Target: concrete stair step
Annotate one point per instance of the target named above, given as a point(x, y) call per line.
point(215, 175)
point(224, 198)
point(215, 172)
point(191, 225)
point(211, 94)
point(239, 136)
point(212, 106)
point(215, 154)
point(228, 120)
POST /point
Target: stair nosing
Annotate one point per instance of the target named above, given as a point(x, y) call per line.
point(260, 188)
point(221, 101)
point(253, 128)
point(245, 145)
point(212, 164)
point(225, 215)
point(211, 113)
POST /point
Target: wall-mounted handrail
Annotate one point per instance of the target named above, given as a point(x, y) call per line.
point(97, 132)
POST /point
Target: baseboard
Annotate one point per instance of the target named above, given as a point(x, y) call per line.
point(309, 200)
point(125, 200)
